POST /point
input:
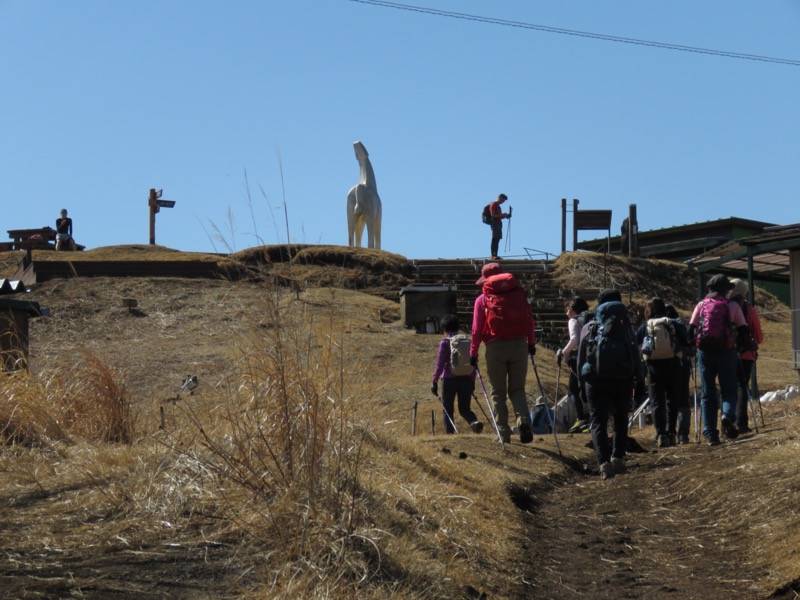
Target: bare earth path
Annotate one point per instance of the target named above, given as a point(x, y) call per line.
point(643, 534)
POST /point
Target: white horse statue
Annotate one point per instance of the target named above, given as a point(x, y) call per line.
point(364, 204)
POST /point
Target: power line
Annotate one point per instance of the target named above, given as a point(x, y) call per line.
point(573, 32)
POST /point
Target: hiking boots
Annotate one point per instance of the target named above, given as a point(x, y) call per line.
point(607, 470)
point(713, 439)
point(505, 435)
point(525, 433)
point(476, 426)
point(683, 439)
point(580, 426)
point(673, 439)
point(728, 428)
point(618, 464)
point(664, 441)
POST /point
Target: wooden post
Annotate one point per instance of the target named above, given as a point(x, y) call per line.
point(161, 410)
point(414, 419)
point(633, 232)
point(152, 202)
point(433, 422)
point(563, 225)
point(575, 203)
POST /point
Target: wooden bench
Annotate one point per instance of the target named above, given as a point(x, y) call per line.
point(42, 238)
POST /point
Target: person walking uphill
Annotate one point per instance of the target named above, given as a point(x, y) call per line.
point(502, 320)
point(609, 363)
point(748, 351)
point(661, 349)
point(457, 374)
point(497, 215)
point(711, 328)
point(577, 313)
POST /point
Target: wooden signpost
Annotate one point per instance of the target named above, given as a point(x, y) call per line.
point(156, 203)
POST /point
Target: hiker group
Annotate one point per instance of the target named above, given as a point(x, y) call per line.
point(613, 368)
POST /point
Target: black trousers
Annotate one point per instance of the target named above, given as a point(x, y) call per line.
point(575, 392)
point(609, 398)
point(743, 387)
point(497, 235)
point(460, 387)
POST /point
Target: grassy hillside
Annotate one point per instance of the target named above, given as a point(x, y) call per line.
point(291, 471)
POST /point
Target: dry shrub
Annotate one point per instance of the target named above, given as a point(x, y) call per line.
point(26, 417)
point(286, 449)
point(93, 401)
point(88, 400)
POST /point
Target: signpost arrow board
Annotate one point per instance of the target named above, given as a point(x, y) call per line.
point(156, 204)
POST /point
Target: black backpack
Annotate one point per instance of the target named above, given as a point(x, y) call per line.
point(486, 215)
point(610, 350)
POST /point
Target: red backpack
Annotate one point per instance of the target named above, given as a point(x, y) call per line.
point(508, 312)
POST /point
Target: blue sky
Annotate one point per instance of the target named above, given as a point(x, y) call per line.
point(244, 111)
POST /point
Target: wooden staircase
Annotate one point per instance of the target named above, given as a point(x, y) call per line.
point(547, 298)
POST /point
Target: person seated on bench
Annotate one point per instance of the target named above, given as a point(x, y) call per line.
point(64, 231)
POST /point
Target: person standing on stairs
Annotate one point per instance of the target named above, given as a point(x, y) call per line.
point(497, 223)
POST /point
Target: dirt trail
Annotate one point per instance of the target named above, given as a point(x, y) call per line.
point(641, 534)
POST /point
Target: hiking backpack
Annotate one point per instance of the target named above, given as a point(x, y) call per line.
point(714, 330)
point(610, 348)
point(486, 215)
point(459, 355)
point(508, 312)
point(542, 418)
point(661, 341)
point(746, 341)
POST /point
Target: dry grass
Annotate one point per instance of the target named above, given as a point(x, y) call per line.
point(292, 472)
point(89, 401)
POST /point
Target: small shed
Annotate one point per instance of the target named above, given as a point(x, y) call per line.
point(14, 316)
point(423, 306)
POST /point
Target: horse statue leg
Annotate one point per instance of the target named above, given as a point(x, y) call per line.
point(360, 222)
point(376, 225)
point(351, 216)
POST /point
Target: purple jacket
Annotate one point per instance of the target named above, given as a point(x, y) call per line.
point(442, 369)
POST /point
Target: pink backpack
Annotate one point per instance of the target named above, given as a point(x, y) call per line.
point(714, 330)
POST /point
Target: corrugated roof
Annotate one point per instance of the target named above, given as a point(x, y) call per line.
point(705, 224)
point(769, 252)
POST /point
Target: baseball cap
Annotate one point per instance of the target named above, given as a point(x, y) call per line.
point(719, 283)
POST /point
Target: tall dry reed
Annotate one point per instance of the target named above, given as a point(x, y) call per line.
point(286, 447)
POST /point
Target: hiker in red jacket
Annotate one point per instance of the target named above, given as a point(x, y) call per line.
point(497, 224)
point(748, 352)
point(502, 320)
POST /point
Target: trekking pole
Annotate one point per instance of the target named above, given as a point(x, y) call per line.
point(508, 231)
point(446, 414)
point(645, 405)
point(489, 406)
point(544, 398)
point(558, 381)
point(750, 400)
point(485, 416)
point(696, 416)
point(754, 390)
point(760, 408)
